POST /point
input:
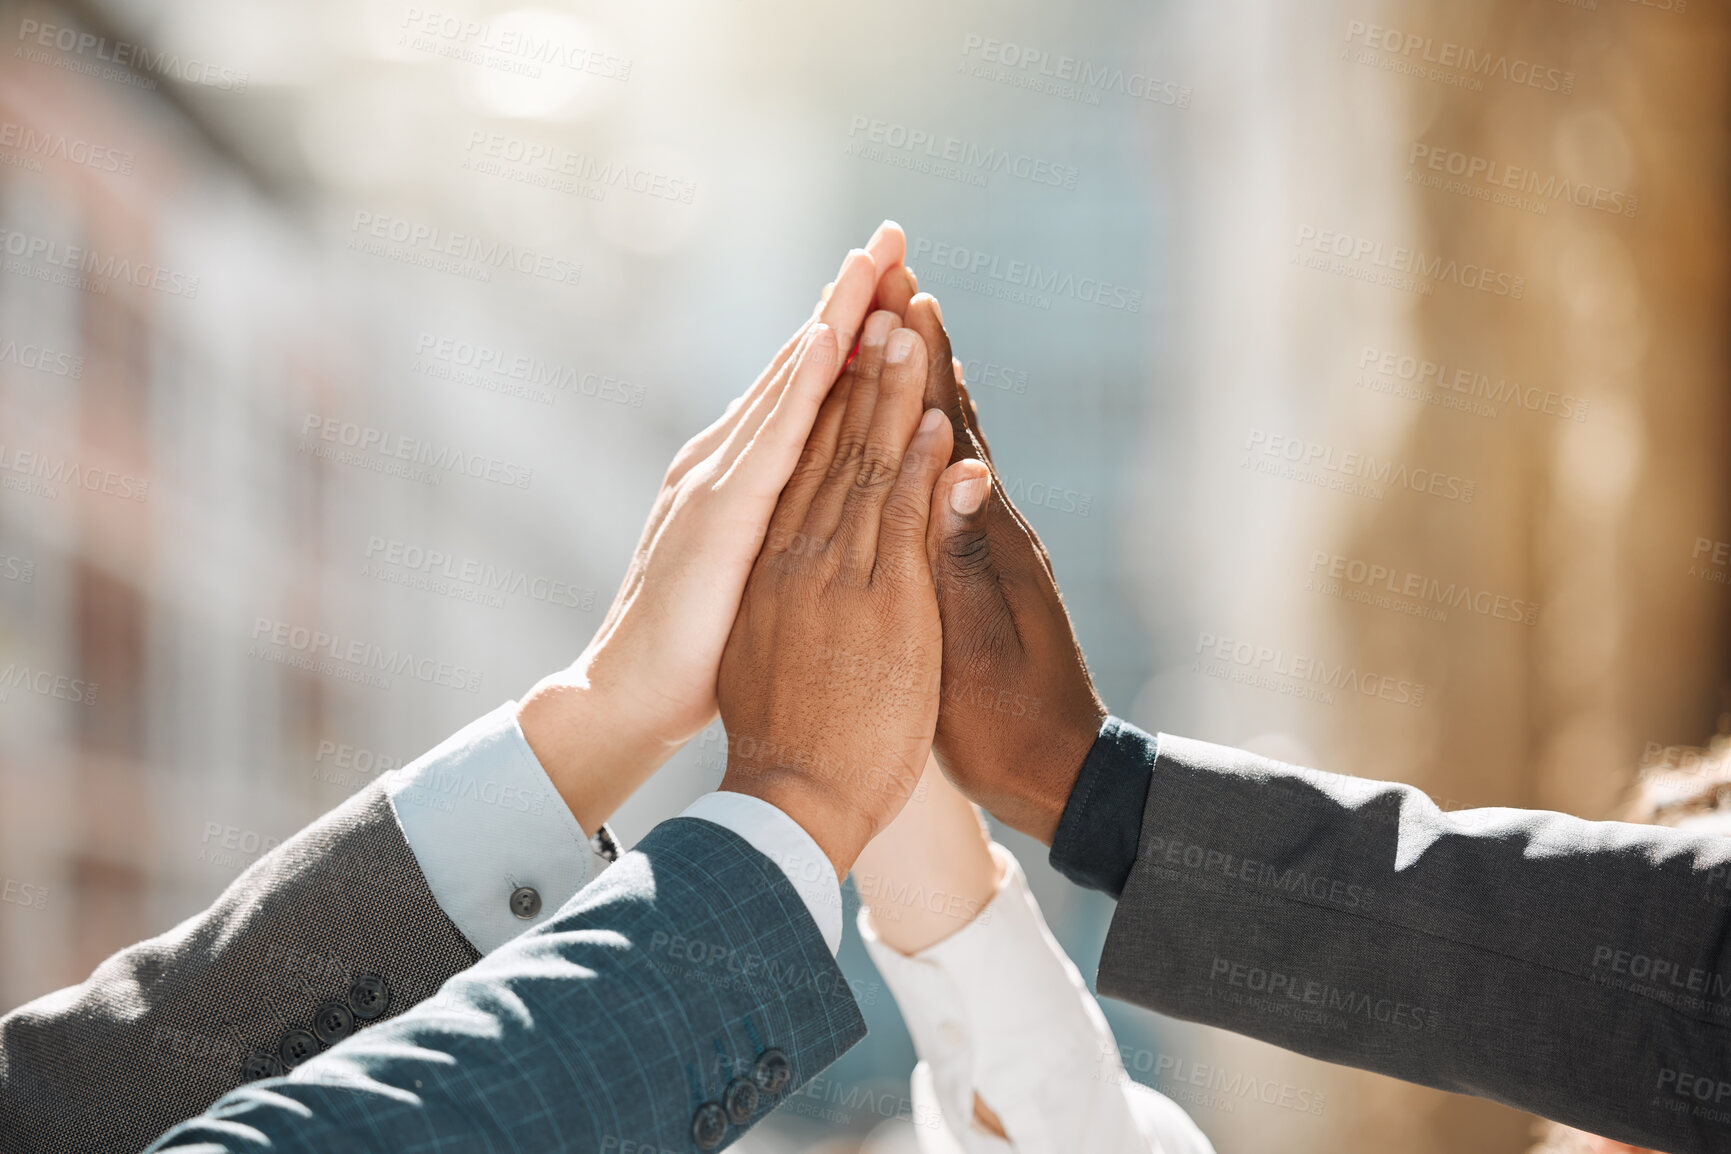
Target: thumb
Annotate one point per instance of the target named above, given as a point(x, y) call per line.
point(957, 543)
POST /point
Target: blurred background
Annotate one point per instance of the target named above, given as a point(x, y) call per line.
point(1412, 362)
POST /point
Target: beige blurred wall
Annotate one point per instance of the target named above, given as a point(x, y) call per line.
point(1596, 520)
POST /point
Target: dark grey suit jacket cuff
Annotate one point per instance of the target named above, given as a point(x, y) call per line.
point(1095, 845)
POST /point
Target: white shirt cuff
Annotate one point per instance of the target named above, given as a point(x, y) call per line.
point(485, 823)
point(997, 1008)
point(783, 841)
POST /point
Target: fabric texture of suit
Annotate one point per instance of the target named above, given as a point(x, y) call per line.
point(688, 981)
point(164, 1028)
point(1579, 970)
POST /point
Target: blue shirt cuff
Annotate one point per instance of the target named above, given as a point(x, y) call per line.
point(485, 823)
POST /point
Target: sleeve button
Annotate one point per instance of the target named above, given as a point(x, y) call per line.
point(740, 1100)
point(709, 1126)
point(771, 1072)
point(260, 1064)
point(332, 1022)
point(297, 1046)
point(525, 902)
point(369, 997)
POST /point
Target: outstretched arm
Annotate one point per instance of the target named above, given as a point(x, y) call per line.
point(1480, 952)
point(1012, 1045)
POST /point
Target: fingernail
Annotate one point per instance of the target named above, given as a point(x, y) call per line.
point(930, 421)
point(901, 344)
point(877, 328)
point(966, 497)
point(936, 309)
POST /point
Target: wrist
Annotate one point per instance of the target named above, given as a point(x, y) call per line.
point(1039, 787)
point(590, 749)
point(839, 829)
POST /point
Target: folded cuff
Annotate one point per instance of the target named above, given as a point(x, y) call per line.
point(486, 825)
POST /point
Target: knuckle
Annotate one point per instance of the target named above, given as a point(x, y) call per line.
point(902, 512)
point(848, 451)
point(878, 466)
point(968, 554)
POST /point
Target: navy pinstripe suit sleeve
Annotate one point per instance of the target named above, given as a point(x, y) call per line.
point(662, 982)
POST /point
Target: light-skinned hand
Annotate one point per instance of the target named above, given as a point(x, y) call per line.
point(646, 682)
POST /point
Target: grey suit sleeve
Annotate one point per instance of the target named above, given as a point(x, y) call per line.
point(337, 916)
point(1579, 970)
point(667, 1007)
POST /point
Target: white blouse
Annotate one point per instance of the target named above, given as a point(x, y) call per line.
point(998, 1009)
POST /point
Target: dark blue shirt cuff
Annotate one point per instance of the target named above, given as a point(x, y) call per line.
point(1095, 845)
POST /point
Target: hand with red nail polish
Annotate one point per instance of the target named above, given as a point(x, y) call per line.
point(646, 683)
